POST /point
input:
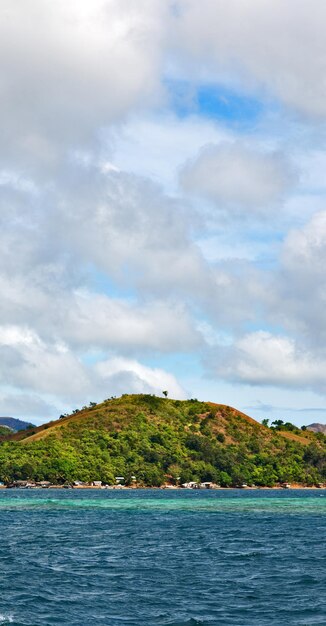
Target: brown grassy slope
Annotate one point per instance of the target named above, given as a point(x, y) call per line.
point(304, 439)
point(224, 416)
point(116, 414)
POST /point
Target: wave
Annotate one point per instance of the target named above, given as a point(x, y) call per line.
point(189, 622)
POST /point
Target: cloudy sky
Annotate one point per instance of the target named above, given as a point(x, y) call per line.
point(163, 204)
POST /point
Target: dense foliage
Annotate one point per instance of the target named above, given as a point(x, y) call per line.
point(160, 440)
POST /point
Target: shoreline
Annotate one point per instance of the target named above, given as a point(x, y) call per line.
point(293, 487)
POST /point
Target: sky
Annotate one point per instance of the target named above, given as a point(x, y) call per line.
point(163, 204)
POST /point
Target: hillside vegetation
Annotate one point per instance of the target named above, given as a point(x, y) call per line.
point(5, 430)
point(160, 440)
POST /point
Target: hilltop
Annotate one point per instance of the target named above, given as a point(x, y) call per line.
point(160, 440)
point(317, 428)
point(14, 424)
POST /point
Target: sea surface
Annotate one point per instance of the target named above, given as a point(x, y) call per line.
point(162, 558)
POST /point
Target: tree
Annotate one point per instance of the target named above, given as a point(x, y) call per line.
point(165, 393)
point(277, 424)
point(265, 422)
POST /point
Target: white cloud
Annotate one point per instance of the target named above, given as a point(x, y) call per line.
point(273, 47)
point(260, 358)
point(307, 247)
point(297, 294)
point(102, 255)
point(237, 177)
point(52, 374)
point(291, 296)
point(122, 227)
point(127, 230)
point(94, 320)
point(28, 363)
point(130, 230)
point(126, 372)
point(16, 404)
point(70, 68)
point(157, 146)
point(86, 319)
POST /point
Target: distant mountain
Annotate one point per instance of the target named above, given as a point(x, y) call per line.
point(317, 428)
point(14, 424)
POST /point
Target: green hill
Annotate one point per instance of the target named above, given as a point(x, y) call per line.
point(160, 440)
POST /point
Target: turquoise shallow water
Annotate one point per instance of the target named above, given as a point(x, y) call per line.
point(165, 558)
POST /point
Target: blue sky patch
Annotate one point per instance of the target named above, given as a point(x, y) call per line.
point(214, 101)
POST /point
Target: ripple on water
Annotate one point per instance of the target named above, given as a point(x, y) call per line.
point(154, 559)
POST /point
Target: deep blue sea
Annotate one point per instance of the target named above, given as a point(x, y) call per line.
point(162, 558)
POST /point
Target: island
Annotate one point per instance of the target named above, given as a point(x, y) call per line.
point(149, 441)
